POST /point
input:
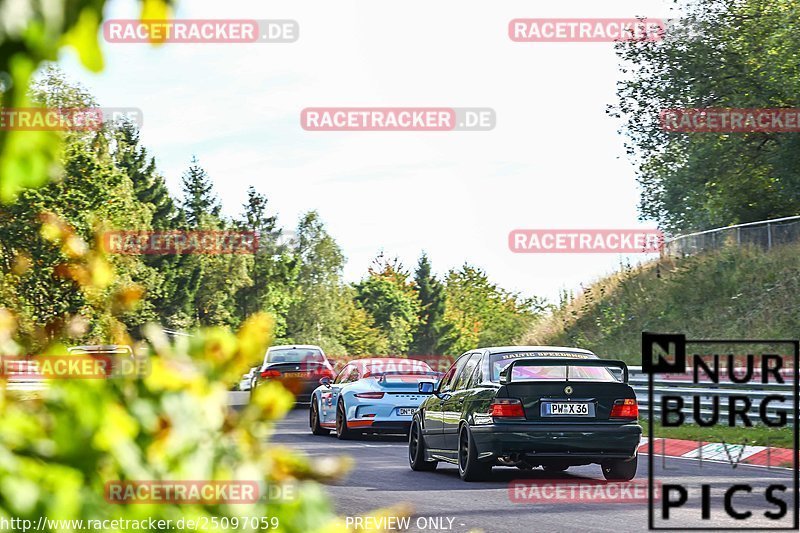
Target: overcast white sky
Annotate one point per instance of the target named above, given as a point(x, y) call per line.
point(554, 160)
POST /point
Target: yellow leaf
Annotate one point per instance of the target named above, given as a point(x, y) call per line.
point(255, 336)
point(83, 37)
point(74, 247)
point(156, 11)
point(102, 272)
point(271, 401)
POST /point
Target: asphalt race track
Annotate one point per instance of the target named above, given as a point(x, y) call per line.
point(381, 478)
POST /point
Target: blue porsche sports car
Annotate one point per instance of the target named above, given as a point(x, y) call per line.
point(377, 395)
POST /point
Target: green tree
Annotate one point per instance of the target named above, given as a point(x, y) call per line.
point(148, 185)
point(214, 279)
point(315, 313)
point(199, 201)
point(483, 314)
point(429, 336)
point(271, 269)
point(390, 298)
point(173, 292)
point(721, 54)
point(91, 195)
point(359, 334)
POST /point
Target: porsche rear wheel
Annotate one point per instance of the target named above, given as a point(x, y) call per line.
point(316, 428)
point(342, 431)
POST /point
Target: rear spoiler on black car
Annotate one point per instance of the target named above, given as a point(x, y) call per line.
point(505, 375)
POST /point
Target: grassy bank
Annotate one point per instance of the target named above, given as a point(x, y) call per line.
point(735, 292)
point(752, 436)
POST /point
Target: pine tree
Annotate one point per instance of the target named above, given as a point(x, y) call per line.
point(199, 200)
point(149, 186)
point(270, 268)
point(428, 336)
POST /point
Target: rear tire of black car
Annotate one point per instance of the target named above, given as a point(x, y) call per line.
point(620, 469)
point(469, 468)
point(313, 420)
point(416, 450)
point(342, 432)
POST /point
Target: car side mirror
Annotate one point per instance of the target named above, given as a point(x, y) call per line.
point(325, 381)
point(426, 387)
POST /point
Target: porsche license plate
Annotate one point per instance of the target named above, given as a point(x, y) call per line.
point(405, 411)
point(566, 409)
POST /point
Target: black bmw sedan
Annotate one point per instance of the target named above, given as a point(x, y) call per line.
point(528, 406)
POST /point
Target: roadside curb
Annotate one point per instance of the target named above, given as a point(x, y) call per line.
point(721, 452)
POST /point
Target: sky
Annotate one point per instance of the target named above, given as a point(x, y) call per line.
point(554, 160)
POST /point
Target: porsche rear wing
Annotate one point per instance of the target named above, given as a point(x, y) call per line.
point(505, 375)
point(382, 376)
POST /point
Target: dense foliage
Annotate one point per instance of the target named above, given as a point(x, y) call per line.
point(720, 54)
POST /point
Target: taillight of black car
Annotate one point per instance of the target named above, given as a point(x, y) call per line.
point(625, 409)
point(324, 373)
point(507, 409)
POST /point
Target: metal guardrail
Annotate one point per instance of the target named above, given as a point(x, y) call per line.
point(764, 233)
point(686, 389)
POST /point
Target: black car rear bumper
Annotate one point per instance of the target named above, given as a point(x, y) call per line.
point(591, 441)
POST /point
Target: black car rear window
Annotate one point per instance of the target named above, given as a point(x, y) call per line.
point(500, 361)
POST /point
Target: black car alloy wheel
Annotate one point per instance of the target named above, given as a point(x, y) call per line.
point(469, 468)
point(416, 449)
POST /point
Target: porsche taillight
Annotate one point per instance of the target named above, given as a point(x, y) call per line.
point(625, 408)
point(370, 395)
point(506, 408)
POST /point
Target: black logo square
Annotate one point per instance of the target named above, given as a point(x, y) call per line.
point(659, 343)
